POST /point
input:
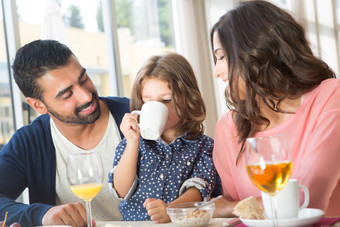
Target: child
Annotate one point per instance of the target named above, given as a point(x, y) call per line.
point(149, 175)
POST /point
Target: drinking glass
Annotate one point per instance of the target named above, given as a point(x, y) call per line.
point(269, 166)
point(85, 175)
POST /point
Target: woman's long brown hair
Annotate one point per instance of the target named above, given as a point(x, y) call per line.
point(268, 49)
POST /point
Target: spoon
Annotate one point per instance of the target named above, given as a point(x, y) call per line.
point(206, 202)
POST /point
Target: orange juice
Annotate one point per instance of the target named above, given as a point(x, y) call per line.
point(272, 178)
point(86, 191)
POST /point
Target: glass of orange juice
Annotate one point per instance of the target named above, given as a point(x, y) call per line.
point(85, 175)
point(268, 163)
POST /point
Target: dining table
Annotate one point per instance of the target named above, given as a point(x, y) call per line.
point(215, 222)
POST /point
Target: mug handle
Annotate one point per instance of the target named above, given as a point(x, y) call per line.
point(136, 112)
point(306, 193)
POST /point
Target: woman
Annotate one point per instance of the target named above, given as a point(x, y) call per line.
point(276, 86)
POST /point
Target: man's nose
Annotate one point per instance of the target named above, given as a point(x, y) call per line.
point(84, 95)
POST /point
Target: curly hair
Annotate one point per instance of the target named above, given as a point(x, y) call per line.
point(178, 73)
point(267, 49)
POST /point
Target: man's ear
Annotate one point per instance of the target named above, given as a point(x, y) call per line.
point(37, 105)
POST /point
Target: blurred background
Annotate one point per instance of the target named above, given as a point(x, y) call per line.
point(112, 39)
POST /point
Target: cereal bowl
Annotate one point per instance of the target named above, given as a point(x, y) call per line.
point(184, 214)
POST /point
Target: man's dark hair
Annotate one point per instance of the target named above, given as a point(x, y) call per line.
point(35, 59)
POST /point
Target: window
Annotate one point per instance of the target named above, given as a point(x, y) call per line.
point(76, 23)
point(6, 110)
point(144, 29)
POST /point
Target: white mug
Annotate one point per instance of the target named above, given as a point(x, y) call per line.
point(153, 118)
point(287, 201)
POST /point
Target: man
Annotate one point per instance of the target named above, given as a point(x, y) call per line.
point(72, 119)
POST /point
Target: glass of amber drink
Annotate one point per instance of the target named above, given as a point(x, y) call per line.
point(269, 165)
point(85, 175)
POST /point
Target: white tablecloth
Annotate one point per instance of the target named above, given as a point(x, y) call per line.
point(215, 222)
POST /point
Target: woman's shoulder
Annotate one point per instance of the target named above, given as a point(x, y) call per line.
point(225, 117)
point(323, 99)
point(329, 86)
point(226, 122)
point(328, 90)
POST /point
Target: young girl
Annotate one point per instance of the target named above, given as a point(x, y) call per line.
point(149, 175)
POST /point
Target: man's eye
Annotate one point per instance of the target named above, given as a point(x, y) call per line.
point(68, 95)
point(83, 81)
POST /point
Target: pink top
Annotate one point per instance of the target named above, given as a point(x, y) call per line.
point(313, 134)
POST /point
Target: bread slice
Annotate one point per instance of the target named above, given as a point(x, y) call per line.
point(248, 209)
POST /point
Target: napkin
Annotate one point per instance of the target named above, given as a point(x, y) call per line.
point(327, 221)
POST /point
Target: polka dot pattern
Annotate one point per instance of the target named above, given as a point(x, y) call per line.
point(162, 169)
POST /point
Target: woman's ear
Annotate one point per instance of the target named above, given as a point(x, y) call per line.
point(37, 105)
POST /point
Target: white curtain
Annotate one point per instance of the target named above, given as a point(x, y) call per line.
point(320, 19)
point(192, 41)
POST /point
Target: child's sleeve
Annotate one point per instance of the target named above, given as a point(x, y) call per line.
point(203, 175)
point(118, 154)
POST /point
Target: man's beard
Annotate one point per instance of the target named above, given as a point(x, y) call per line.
point(77, 118)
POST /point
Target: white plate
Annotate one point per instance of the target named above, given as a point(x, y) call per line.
point(306, 216)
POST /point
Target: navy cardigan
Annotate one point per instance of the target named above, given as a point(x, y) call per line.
point(28, 160)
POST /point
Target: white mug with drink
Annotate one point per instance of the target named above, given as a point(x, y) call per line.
point(152, 120)
point(287, 201)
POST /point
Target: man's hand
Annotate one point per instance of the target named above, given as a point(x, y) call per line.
point(73, 214)
point(156, 210)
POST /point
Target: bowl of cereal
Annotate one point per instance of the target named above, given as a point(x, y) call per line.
point(187, 214)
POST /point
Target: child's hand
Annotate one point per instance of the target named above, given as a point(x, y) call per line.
point(156, 210)
point(129, 127)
